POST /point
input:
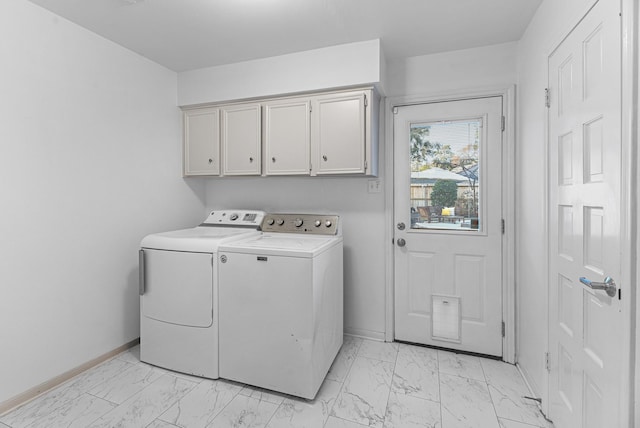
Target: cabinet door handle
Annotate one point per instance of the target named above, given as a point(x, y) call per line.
point(273, 159)
point(210, 160)
point(250, 159)
point(324, 158)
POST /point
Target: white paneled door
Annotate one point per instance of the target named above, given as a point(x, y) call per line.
point(448, 224)
point(585, 323)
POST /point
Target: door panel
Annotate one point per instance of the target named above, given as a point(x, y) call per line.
point(241, 139)
point(584, 222)
point(338, 129)
point(178, 287)
point(266, 309)
point(287, 137)
point(202, 142)
point(451, 261)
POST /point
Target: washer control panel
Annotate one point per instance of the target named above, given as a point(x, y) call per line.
point(308, 224)
point(234, 218)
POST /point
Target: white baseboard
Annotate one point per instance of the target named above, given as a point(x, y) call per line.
point(365, 334)
point(532, 391)
point(38, 390)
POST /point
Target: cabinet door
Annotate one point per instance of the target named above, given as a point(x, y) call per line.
point(338, 134)
point(287, 137)
point(202, 142)
point(241, 142)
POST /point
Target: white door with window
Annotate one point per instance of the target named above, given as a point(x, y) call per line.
point(448, 218)
point(586, 322)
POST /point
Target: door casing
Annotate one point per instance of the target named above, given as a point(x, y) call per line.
point(508, 204)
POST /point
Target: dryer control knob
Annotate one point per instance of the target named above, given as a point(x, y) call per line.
point(328, 223)
point(270, 221)
point(298, 222)
point(234, 217)
point(280, 222)
point(317, 223)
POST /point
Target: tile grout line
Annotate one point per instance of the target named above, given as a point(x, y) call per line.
point(346, 376)
point(393, 375)
point(493, 404)
point(274, 413)
point(65, 385)
point(439, 386)
point(226, 405)
point(140, 392)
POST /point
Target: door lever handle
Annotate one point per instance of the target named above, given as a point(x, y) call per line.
point(609, 285)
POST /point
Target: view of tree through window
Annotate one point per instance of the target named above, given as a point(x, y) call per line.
point(445, 174)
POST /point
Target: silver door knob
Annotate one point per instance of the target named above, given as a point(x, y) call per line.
point(609, 285)
point(401, 242)
point(400, 226)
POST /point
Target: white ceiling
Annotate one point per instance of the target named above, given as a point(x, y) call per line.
point(189, 34)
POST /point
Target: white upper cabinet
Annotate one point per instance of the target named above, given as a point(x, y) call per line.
point(201, 142)
point(339, 134)
point(332, 133)
point(287, 136)
point(241, 139)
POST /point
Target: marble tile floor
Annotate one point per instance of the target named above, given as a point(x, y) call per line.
point(375, 384)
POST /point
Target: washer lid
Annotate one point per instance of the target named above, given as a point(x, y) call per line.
point(198, 239)
point(283, 244)
point(219, 226)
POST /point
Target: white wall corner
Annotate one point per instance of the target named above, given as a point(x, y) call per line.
point(352, 64)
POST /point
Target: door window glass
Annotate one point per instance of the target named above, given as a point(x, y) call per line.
point(445, 175)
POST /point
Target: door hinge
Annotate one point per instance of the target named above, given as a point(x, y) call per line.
point(503, 123)
point(366, 102)
point(547, 98)
point(503, 226)
point(395, 110)
point(547, 362)
point(503, 329)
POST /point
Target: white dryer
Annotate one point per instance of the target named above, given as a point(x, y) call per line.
point(281, 304)
point(178, 292)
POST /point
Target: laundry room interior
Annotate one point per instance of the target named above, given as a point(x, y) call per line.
point(100, 127)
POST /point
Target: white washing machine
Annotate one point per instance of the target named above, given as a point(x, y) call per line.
point(178, 292)
point(281, 304)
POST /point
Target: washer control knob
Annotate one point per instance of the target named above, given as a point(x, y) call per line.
point(298, 222)
point(234, 217)
point(270, 221)
point(280, 222)
point(328, 223)
point(317, 223)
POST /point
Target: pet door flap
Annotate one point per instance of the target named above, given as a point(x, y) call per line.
point(445, 318)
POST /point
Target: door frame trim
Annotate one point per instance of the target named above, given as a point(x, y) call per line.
point(631, 192)
point(508, 203)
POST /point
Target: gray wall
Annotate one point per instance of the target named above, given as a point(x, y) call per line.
point(89, 163)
